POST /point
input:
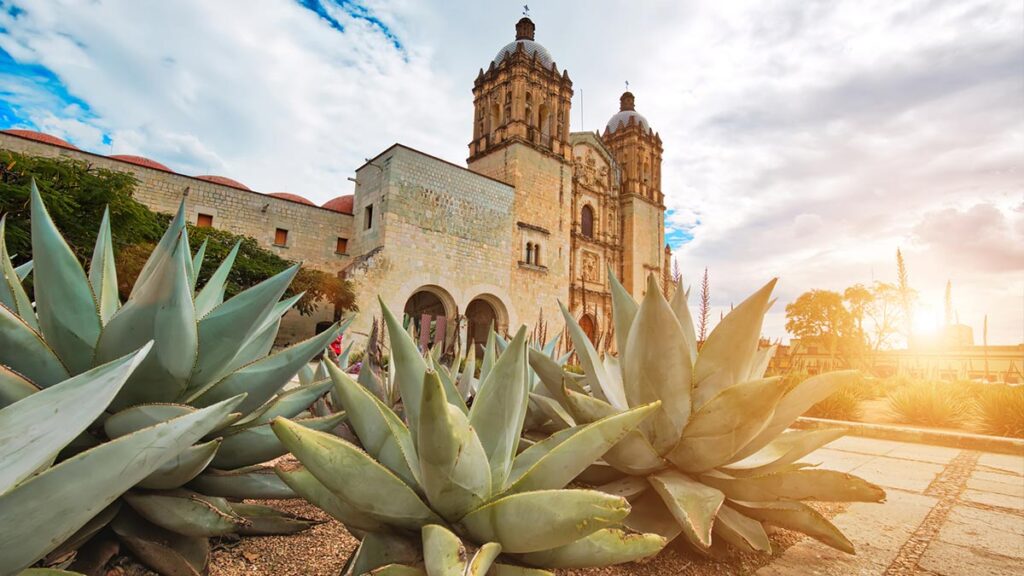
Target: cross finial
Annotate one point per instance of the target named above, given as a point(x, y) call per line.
point(627, 85)
point(526, 10)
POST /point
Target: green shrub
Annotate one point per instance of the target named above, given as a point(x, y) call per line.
point(939, 404)
point(844, 404)
point(1001, 410)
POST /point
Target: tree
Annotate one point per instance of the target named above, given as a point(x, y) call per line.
point(821, 315)
point(949, 302)
point(876, 312)
point(906, 295)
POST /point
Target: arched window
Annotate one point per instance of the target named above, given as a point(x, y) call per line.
point(495, 116)
point(587, 221)
point(536, 255)
point(529, 252)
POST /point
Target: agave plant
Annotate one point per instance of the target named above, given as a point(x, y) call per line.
point(41, 514)
point(715, 461)
point(458, 468)
point(205, 350)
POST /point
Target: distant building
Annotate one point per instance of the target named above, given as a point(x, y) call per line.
point(538, 215)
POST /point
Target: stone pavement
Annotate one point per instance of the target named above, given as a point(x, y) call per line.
point(949, 512)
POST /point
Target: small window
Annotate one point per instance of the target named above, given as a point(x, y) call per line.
point(368, 217)
point(280, 237)
point(342, 246)
point(204, 220)
point(587, 221)
point(529, 252)
point(536, 255)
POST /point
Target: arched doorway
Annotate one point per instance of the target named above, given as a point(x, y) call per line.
point(428, 310)
point(482, 313)
point(589, 327)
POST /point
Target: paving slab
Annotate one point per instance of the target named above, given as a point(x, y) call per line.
point(1003, 462)
point(907, 475)
point(994, 499)
point(837, 460)
point(861, 445)
point(988, 531)
point(944, 559)
point(924, 453)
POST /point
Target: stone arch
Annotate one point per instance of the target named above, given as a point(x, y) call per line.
point(434, 305)
point(589, 326)
point(481, 311)
point(587, 221)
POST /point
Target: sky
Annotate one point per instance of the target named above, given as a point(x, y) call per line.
point(803, 139)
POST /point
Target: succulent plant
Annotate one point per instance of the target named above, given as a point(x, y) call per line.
point(715, 462)
point(460, 468)
point(204, 351)
point(46, 506)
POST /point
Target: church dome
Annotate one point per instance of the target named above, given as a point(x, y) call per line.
point(41, 137)
point(343, 204)
point(292, 197)
point(140, 161)
point(627, 113)
point(224, 181)
point(524, 36)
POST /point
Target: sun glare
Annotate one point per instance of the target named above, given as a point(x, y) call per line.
point(928, 321)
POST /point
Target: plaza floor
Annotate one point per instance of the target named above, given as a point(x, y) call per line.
point(949, 512)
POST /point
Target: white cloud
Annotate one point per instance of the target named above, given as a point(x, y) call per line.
point(803, 139)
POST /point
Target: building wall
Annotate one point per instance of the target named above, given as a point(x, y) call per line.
point(541, 216)
point(312, 231)
point(643, 234)
point(447, 231)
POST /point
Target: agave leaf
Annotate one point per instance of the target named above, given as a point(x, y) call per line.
point(649, 515)
point(260, 343)
point(308, 487)
point(234, 320)
point(454, 470)
point(197, 264)
point(255, 482)
point(378, 550)
point(594, 374)
point(602, 548)
point(182, 468)
point(498, 569)
point(94, 525)
point(655, 366)
point(451, 392)
point(825, 485)
point(443, 553)
point(352, 475)
point(380, 431)
point(549, 372)
point(490, 354)
point(397, 570)
point(290, 403)
point(624, 309)
point(185, 512)
point(163, 248)
point(759, 366)
point(264, 520)
point(681, 309)
point(142, 416)
point(14, 387)
point(169, 553)
point(12, 293)
point(499, 409)
point(103, 272)
point(553, 410)
point(628, 487)
point(542, 520)
point(729, 349)
point(67, 311)
point(480, 564)
point(78, 488)
point(742, 532)
point(724, 425)
point(259, 444)
point(160, 310)
point(47, 572)
point(212, 294)
point(693, 504)
point(784, 450)
point(24, 270)
point(264, 378)
point(30, 436)
point(466, 384)
point(26, 352)
point(799, 517)
point(305, 375)
point(554, 462)
point(409, 369)
point(796, 402)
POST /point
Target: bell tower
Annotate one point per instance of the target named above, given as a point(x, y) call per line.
point(637, 149)
point(521, 97)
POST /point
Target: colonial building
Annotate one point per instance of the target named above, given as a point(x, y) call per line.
point(539, 214)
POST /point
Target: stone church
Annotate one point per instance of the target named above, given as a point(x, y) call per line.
point(539, 214)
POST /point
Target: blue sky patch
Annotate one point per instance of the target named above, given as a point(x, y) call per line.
point(355, 10)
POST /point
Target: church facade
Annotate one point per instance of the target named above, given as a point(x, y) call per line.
point(539, 215)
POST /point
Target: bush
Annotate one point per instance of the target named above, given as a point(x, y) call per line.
point(842, 405)
point(938, 404)
point(1001, 410)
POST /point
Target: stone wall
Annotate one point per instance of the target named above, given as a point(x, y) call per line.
point(446, 230)
point(312, 231)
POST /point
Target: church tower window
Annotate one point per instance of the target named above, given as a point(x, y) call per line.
point(587, 221)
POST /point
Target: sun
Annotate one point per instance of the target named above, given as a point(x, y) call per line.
point(927, 321)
